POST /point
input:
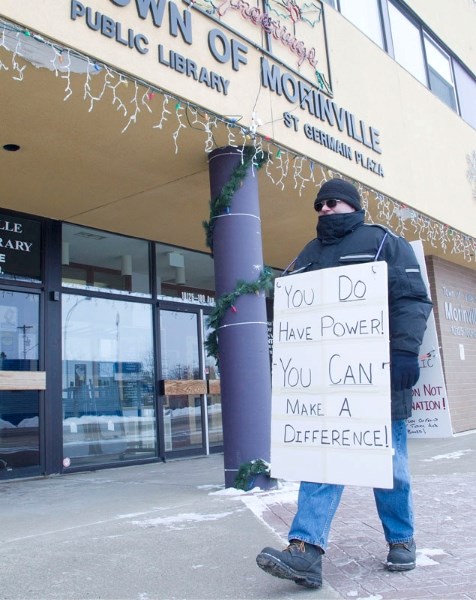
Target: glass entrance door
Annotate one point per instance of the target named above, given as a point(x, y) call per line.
point(212, 374)
point(19, 408)
point(183, 386)
point(108, 381)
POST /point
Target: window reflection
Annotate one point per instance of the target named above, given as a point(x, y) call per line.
point(179, 343)
point(100, 261)
point(365, 15)
point(440, 74)
point(407, 44)
point(108, 380)
point(19, 410)
point(214, 415)
point(466, 86)
point(183, 422)
point(182, 272)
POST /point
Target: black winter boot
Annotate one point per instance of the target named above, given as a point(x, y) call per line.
point(402, 556)
point(301, 562)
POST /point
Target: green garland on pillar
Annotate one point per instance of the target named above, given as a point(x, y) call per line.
point(247, 473)
point(218, 206)
point(227, 301)
point(221, 204)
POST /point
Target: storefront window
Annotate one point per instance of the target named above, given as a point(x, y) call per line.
point(108, 381)
point(19, 409)
point(184, 274)
point(101, 261)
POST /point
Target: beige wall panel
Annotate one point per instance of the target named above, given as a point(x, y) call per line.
point(441, 15)
point(53, 19)
point(243, 84)
point(424, 144)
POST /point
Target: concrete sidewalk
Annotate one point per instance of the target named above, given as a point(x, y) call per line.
point(170, 531)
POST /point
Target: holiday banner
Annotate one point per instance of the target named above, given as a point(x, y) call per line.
point(430, 411)
point(331, 418)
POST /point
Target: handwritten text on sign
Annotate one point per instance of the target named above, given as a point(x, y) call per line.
point(331, 377)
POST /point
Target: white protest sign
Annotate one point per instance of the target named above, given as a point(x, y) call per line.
point(331, 418)
point(430, 415)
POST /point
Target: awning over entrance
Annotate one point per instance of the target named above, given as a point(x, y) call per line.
point(102, 149)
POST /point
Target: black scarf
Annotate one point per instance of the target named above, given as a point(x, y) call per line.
point(331, 228)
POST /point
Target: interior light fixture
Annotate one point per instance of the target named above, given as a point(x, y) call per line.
point(126, 268)
point(176, 259)
point(180, 275)
point(65, 253)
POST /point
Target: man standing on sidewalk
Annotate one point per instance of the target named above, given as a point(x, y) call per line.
point(343, 239)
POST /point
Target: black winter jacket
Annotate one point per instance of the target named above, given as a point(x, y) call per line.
point(344, 239)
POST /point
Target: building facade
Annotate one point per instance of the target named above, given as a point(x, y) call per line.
point(111, 110)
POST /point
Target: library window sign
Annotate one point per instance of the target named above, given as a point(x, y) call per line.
point(20, 248)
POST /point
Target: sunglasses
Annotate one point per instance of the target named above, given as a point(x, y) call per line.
point(332, 203)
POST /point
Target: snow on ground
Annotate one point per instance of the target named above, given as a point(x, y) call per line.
point(424, 554)
point(449, 456)
point(181, 521)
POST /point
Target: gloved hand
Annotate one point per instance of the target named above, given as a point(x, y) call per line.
point(404, 370)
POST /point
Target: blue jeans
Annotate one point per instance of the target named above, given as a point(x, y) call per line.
point(318, 502)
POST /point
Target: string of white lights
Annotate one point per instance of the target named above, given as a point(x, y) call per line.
point(282, 164)
point(165, 112)
point(179, 112)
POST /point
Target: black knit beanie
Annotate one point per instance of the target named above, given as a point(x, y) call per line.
point(340, 190)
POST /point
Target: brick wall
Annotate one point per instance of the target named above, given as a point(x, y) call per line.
point(456, 286)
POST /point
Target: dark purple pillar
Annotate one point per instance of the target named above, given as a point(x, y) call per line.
point(243, 336)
